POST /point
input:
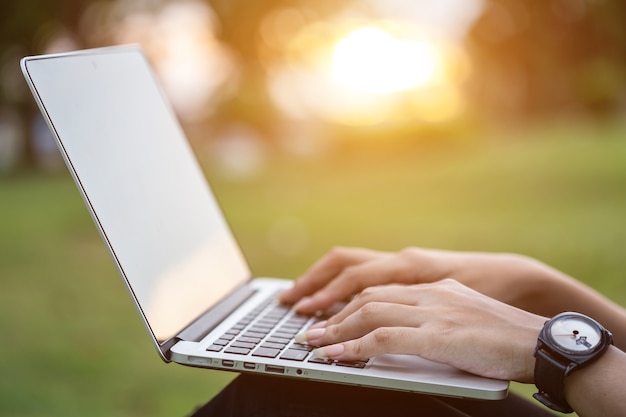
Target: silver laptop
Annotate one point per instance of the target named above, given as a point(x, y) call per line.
point(170, 242)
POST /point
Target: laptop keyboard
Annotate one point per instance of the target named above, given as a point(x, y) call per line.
point(268, 331)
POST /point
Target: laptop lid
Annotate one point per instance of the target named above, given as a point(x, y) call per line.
point(155, 211)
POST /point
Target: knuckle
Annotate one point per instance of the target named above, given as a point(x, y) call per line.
point(444, 287)
point(382, 336)
point(409, 259)
point(450, 282)
point(412, 254)
point(368, 293)
point(348, 280)
point(377, 341)
point(359, 349)
point(350, 271)
point(337, 252)
point(332, 333)
point(369, 311)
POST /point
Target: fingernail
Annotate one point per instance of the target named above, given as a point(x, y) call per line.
point(310, 336)
point(319, 324)
point(303, 303)
point(329, 352)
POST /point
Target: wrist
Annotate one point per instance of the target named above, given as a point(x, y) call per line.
point(597, 389)
point(567, 343)
point(529, 353)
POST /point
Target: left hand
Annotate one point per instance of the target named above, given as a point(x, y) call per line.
point(444, 321)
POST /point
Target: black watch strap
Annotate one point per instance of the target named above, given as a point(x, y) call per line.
point(548, 368)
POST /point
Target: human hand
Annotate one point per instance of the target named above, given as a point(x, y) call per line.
point(445, 321)
point(343, 272)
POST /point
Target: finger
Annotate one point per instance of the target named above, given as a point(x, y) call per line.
point(325, 270)
point(344, 285)
point(370, 317)
point(400, 340)
point(391, 305)
point(354, 279)
point(397, 294)
point(409, 266)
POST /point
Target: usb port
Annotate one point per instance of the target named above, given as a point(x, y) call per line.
point(227, 362)
point(274, 369)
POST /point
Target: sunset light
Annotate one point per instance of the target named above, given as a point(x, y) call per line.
point(371, 59)
point(347, 70)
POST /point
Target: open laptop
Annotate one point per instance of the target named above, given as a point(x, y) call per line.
point(170, 242)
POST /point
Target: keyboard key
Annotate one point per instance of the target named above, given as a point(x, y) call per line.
point(246, 339)
point(281, 335)
point(320, 360)
point(260, 329)
point(245, 345)
point(271, 345)
point(294, 355)
point(266, 322)
point(355, 364)
point(237, 351)
point(255, 334)
point(290, 328)
point(214, 348)
point(266, 352)
point(302, 346)
point(253, 329)
point(273, 339)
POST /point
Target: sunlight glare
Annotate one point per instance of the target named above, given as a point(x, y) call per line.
point(373, 60)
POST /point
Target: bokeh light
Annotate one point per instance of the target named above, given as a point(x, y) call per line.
point(372, 59)
point(359, 73)
point(180, 40)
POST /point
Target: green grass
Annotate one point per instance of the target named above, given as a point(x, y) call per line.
point(72, 344)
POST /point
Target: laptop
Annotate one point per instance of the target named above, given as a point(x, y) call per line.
point(170, 241)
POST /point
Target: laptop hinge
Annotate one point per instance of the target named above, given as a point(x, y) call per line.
point(166, 346)
point(215, 315)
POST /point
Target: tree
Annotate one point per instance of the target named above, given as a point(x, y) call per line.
point(534, 57)
point(25, 27)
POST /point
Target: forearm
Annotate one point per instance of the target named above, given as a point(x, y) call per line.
point(556, 292)
point(575, 296)
point(598, 389)
point(541, 289)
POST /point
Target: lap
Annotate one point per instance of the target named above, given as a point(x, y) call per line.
point(264, 396)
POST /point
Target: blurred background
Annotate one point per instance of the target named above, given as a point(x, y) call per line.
point(492, 125)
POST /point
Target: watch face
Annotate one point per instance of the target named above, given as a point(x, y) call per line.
point(575, 334)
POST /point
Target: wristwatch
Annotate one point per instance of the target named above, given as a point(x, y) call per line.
point(567, 342)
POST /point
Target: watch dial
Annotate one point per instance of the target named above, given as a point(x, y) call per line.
point(575, 334)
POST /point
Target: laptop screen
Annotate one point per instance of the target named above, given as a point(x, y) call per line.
point(141, 181)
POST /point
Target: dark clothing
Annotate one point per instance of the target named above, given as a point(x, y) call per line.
point(269, 396)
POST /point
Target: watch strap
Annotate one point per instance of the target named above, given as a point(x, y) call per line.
point(547, 368)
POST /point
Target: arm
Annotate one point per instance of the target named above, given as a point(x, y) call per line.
point(514, 279)
point(445, 322)
point(598, 389)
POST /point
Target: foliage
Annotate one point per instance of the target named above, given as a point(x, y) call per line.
point(537, 57)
